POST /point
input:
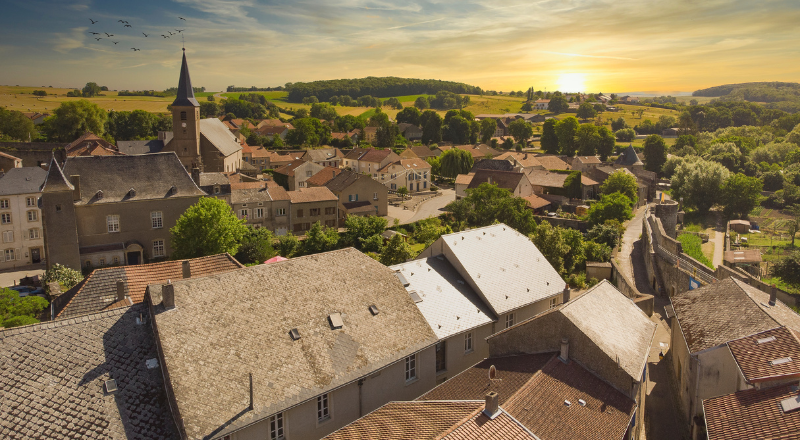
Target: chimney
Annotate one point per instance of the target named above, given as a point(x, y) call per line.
point(168, 295)
point(565, 294)
point(251, 392)
point(120, 290)
point(76, 182)
point(564, 356)
point(492, 408)
point(773, 295)
point(196, 175)
point(54, 289)
point(489, 180)
point(187, 270)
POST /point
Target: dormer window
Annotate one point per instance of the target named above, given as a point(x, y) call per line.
point(99, 194)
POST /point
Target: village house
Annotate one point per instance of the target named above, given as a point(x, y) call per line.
point(7, 162)
point(413, 174)
point(410, 131)
point(261, 204)
point(104, 210)
point(327, 157)
point(461, 184)
point(546, 182)
point(311, 205)
point(552, 162)
point(584, 163)
point(90, 145)
point(522, 161)
point(294, 175)
point(516, 182)
point(341, 136)
point(541, 104)
point(369, 160)
point(358, 195)
point(21, 218)
point(492, 164)
point(270, 131)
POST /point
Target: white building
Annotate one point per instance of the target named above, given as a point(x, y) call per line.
point(414, 174)
point(21, 218)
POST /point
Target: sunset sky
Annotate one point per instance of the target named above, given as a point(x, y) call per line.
point(573, 45)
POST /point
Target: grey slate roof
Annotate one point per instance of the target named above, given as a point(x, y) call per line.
point(207, 335)
point(343, 181)
point(492, 164)
point(150, 175)
point(140, 147)
point(185, 96)
point(27, 180)
point(629, 157)
point(218, 134)
point(55, 180)
point(52, 380)
point(503, 179)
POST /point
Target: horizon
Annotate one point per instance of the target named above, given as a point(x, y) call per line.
point(570, 45)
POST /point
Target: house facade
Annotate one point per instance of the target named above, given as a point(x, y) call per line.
point(414, 174)
point(355, 191)
point(311, 205)
point(369, 160)
point(21, 218)
point(294, 175)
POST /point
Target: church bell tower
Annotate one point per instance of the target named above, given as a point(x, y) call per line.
point(186, 122)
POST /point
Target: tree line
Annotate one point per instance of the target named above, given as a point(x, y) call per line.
point(374, 86)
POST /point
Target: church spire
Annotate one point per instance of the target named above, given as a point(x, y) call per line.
point(185, 96)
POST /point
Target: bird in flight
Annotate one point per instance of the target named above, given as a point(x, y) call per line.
point(115, 42)
point(108, 35)
point(99, 38)
point(144, 34)
point(170, 33)
point(135, 49)
point(93, 21)
point(95, 33)
point(179, 30)
point(182, 18)
point(165, 36)
point(127, 25)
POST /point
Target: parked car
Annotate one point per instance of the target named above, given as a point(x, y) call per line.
point(28, 291)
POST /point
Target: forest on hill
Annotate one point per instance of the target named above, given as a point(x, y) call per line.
point(779, 95)
point(380, 87)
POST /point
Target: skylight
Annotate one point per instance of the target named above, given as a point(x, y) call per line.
point(780, 361)
point(765, 340)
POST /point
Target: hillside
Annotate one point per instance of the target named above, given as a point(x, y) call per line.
point(380, 87)
point(780, 95)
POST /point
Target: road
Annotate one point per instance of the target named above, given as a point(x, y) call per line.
point(428, 208)
point(12, 276)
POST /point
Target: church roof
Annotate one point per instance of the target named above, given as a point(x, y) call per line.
point(185, 96)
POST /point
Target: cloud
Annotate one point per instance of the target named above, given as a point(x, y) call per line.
point(587, 56)
point(79, 6)
point(66, 42)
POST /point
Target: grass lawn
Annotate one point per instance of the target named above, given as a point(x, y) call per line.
point(417, 248)
point(21, 99)
point(782, 285)
point(693, 247)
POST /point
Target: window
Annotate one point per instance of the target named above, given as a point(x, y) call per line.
point(374, 196)
point(330, 211)
point(216, 190)
point(276, 427)
point(313, 211)
point(33, 216)
point(33, 234)
point(299, 213)
point(441, 356)
point(259, 213)
point(280, 211)
point(10, 255)
point(323, 410)
point(102, 262)
point(58, 208)
point(183, 116)
point(115, 260)
point(411, 367)
point(509, 320)
point(242, 213)
point(309, 174)
point(158, 248)
point(4, 204)
point(301, 185)
point(156, 219)
point(394, 186)
point(8, 236)
point(352, 198)
point(425, 184)
point(5, 218)
point(112, 221)
point(468, 342)
point(330, 223)
point(30, 201)
point(553, 302)
point(88, 263)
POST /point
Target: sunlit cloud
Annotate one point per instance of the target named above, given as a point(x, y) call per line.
point(586, 56)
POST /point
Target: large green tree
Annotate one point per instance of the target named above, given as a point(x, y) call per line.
point(788, 269)
point(208, 227)
point(256, 246)
point(587, 140)
point(558, 104)
point(565, 130)
point(455, 161)
point(623, 182)
point(458, 130)
point(320, 239)
point(16, 125)
point(521, 130)
point(610, 207)
point(308, 132)
point(655, 153)
point(607, 143)
point(488, 127)
point(16, 311)
point(409, 115)
point(549, 138)
point(361, 228)
point(74, 118)
point(487, 204)
point(699, 183)
point(431, 124)
point(740, 195)
point(586, 111)
point(551, 244)
point(396, 251)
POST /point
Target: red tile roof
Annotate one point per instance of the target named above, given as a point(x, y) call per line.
point(536, 202)
point(480, 427)
point(91, 145)
point(755, 353)
point(323, 176)
point(753, 414)
point(314, 194)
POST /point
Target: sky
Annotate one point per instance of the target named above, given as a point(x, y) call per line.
point(610, 46)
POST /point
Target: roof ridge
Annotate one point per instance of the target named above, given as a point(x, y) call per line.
point(77, 290)
point(739, 284)
point(62, 322)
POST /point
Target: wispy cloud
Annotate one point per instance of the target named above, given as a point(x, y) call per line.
point(66, 42)
point(608, 57)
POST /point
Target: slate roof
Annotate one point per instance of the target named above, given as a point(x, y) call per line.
point(547, 179)
point(289, 168)
point(251, 335)
point(150, 175)
point(342, 181)
point(55, 180)
point(310, 195)
point(449, 307)
point(424, 152)
point(629, 157)
point(210, 179)
point(503, 179)
point(503, 266)
point(755, 354)
point(53, 374)
point(729, 309)
point(753, 414)
point(140, 147)
point(324, 176)
point(185, 95)
point(492, 164)
point(551, 162)
point(220, 137)
point(26, 180)
point(588, 160)
point(248, 192)
point(98, 291)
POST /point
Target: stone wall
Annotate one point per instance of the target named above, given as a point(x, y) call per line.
point(34, 154)
point(628, 288)
point(785, 297)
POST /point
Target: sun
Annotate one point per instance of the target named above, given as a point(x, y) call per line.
point(572, 82)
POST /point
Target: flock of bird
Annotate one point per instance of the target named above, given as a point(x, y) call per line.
point(128, 25)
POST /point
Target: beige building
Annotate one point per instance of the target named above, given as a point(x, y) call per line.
point(358, 195)
point(262, 205)
point(414, 174)
point(21, 218)
point(294, 175)
point(311, 205)
point(114, 209)
point(369, 160)
point(327, 157)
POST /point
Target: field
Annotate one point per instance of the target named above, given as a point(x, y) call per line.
point(686, 99)
point(20, 98)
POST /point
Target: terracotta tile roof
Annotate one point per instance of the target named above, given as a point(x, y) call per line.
point(277, 192)
point(322, 154)
point(553, 162)
point(540, 405)
point(323, 176)
point(547, 179)
point(289, 168)
point(310, 195)
point(492, 164)
point(527, 160)
point(753, 414)
point(755, 354)
point(503, 179)
point(98, 290)
point(480, 427)
point(464, 179)
point(259, 151)
point(343, 180)
point(587, 181)
point(588, 159)
point(513, 372)
point(536, 202)
point(414, 164)
point(53, 375)
point(87, 143)
point(424, 152)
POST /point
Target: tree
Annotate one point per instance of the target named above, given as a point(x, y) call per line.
point(607, 233)
point(288, 245)
point(607, 143)
point(421, 103)
point(458, 129)
point(209, 109)
point(402, 192)
point(488, 204)
point(309, 132)
point(549, 138)
point(320, 239)
point(429, 230)
point(610, 207)
point(586, 111)
point(16, 311)
point(587, 140)
point(575, 257)
point(488, 127)
point(409, 115)
point(90, 89)
point(74, 118)
point(740, 195)
point(65, 277)
point(558, 104)
point(599, 252)
point(361, 228)
point(208, 227)
point(456, 161)
point(788, 269)
point(625, 135)
point(623, 182)
point(431, 124)
point(565, 130)
point(793, 224)
point(386, 135)
point(618, 124)
point(699, 183)
point(256, 246)
point(550, 242)
point(436, 165)
point(521, 130)
point(323, 111)
point(655, 153)
point(684, 140)
point(396, 251)
point(16, 125)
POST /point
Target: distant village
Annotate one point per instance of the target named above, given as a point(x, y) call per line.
point(477, 336)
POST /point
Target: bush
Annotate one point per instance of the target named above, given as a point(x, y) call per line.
point(691, 247)
point(67, 278)
point(625, 135)
point(577, 280)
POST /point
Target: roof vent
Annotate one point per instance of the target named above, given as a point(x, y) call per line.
point(335, 320)
point(415, 296)
point(567, 403)
point(131, 192)
point(780, 361)
point(374, 310)
point(294, 334)
point(151, 363)
point(765, 340)
point(402, 279)
point(99, 194)
point(173, 190)
point(581, 402)
point(111, 386)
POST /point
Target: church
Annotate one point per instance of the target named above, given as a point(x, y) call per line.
point(203, 144)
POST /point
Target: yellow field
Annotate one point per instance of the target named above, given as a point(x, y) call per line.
point(20, 98)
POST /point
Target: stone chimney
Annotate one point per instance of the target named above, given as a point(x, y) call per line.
point(564, 356)
point(76, 182)
point(492, 408)
point(565, 294)
point(187, 269)
point(54, 289)
point(168, 295)
point(196, 175)
point(120, 290)
point(773, 295)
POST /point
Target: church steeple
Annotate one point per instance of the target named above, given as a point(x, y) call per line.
point(185, 96)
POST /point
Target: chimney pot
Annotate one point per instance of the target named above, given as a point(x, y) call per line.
point(120, 290)
point(773, 295)
point(168, 295)
point(565, 295)
point(564, 356)
point(187, 270)
point(492, 407)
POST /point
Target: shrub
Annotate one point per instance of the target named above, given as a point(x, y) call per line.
point(67, 278)
point(692, 247)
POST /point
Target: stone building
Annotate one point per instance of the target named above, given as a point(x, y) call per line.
point(414, 174)
point(311, 205)
point(104, 210)
point(21, 218)
point(358, 194)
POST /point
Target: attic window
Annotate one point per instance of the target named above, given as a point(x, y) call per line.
point(780, 361)
point(335, 320)
point(99, 194)
point(295, 335)
point(374, 310)
point(111, 386)
point(132, 192)
point(415, 296)
point(765, 340)
point(173, 190)
point(790, 404)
